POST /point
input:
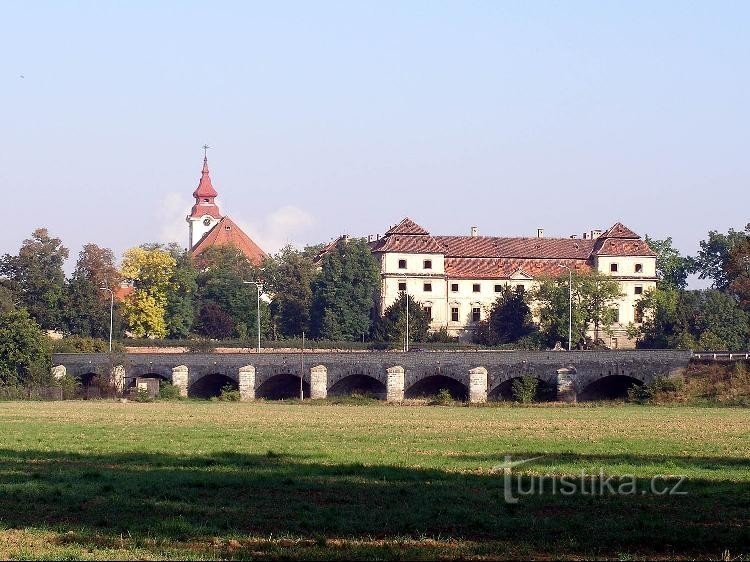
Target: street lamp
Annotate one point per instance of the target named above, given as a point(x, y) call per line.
point(111, 308)
point(406, 292)
point(570, 306)
point(257, 287)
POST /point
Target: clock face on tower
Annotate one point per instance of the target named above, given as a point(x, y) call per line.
point(207, 221)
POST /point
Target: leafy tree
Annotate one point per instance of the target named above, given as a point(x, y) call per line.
point(594, 296)
point(36, 276)
point(672, 268)
point(508, 321)
point(151, 270)
point(8, 299)
point(738, 272)
point(691, 320)
point(214, 322)
point(179, 313)
point(289, 276)
point(344, 293)
point(24, 350)
point(391, 327)
point(712, 261)
point(86, 305)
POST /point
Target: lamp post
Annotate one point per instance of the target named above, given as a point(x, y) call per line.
point(257, 287)
point(406, 292)
point(570, 306)
point(111, 308)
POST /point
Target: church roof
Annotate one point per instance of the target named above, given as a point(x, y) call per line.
point(205, 189)
point(226, 233)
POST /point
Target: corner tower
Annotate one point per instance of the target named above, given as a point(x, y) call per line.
point(205, 212)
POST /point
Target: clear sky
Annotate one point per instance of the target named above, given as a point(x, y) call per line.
point(333, 117)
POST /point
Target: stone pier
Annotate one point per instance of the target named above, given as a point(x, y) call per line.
point(395, 386)
point(318, 382)
point(478, 385)
point(566, 391)
point(247, 382)
point(180, 379)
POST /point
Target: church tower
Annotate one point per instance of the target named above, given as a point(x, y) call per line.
point(205, 213)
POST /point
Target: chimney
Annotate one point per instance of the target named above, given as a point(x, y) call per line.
point(377, 237)
point(369, 237)
point(585, 236)
point(595, 234)
point(474, 232)
point(540, 233)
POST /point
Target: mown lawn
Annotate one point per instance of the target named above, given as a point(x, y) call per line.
point(206, 480)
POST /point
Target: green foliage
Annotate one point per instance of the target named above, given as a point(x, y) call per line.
point(594, 296)
point(24, 351)
point(391, 327)
point(36, 276)
point(660, 389)
point(524, 389)
point(168, 391)
point(142, 395)
point(71, 388)
point(229, 394)
point(151, 269)
point(672, 268)
point(180, 308)
point(289, 277)
point(708, 320)
point(508, 321)
point(80, 344)
point(200, 345)
point(713, 259)
point(442, 398)
point(441, 336)
point(738, 271)
point(344, 293)
point(214, 322)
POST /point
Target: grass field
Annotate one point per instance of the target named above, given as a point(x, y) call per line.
point(213, 480)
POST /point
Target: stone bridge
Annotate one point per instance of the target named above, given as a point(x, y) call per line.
point(476, 376)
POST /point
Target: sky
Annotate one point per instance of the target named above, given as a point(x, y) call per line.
point(327, 118)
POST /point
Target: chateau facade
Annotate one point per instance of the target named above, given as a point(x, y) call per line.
point(457, 278)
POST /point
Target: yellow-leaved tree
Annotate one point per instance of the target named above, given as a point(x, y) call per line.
point(151, 271)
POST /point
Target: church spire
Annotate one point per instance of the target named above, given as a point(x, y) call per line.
point(205, 212)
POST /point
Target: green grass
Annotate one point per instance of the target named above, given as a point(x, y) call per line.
point(203, 480)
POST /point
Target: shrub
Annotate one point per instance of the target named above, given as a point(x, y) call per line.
point(229, 394)
point(80, 344)
point(143, 395)
point(442, 398)
point(71, 388)
point(168, 391)
point(524, 389)
point(441, 336)
point(201, 346)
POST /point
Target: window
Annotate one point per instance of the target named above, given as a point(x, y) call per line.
point(454, 314)
point(639, 268)
point(616, 314)
point(205, 200)
point(520, 289)
point(428, 264)
point(498, 288)
point(638, 315)
point(476, 314)
point(402, 286)
point(454, 287)
point(613, 268)
point(638, 290)
point(428, 311)
point(402, 264)
point(475, 287)
point(427, 287)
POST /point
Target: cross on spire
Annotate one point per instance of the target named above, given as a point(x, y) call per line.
point(205, 151)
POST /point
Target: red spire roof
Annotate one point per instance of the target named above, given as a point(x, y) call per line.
point(407, 227)
point(205, 189)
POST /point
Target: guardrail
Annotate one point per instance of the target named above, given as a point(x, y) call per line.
point(722, 355)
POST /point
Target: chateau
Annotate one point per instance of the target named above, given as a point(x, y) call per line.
point(457, 278)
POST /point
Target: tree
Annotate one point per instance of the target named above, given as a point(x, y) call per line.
point(179, 313)
point(344, 293)
point(36, 276)
point(391, 327)
point(672, 268)
point(594, 297)
point(712, 261)
point(289, 277)
point(738, 272)
point(151, 271)
point(86, 304)
point(214, 322)
point(509, 318)
point(24, 350)
point(691, 320)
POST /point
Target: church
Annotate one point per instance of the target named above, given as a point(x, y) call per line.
point(209, 228)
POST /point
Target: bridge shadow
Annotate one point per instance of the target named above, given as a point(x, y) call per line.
point(92, 497)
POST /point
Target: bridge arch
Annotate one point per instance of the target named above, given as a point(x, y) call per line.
point(545, 391)
point(608, 387)
point(211, 385)
point(433, 384)
point(282, 386)
point(358, 384)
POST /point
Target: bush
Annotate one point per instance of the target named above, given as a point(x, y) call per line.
point(441, 336)
point(143, 395)
point(80, 344)
point(229, 394)
point(524, 389)
point(71, 388)
point(168, 391)
point(443, 398)
point(201, 346)
point(660, 389)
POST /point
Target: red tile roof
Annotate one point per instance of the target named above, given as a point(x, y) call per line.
point(409, 244)
point(226, 232)
point(619, 230)
point(407, 227)
point(205, 188)
point(530, 248)
point(623, 247)
point(503, 268)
